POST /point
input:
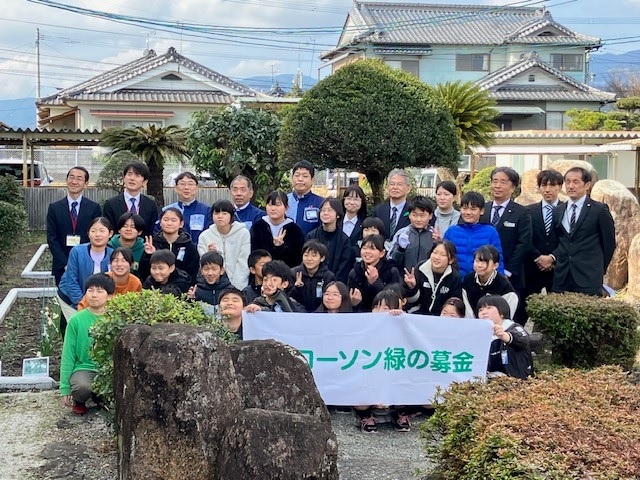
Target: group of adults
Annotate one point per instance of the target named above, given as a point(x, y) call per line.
point(553, 245)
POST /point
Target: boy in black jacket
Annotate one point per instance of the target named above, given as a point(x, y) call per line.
point(311, 275)
point(257, 259)
point(211, 280)
point(510, 353)
point(165, 276)
point(276, 276)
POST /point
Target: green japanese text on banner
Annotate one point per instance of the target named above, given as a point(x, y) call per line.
point(377, 358)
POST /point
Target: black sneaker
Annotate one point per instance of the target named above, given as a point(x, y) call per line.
point(403, 423)
point(368, 424)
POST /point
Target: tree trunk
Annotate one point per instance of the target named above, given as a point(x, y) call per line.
point(376, 181)
point(154, 186)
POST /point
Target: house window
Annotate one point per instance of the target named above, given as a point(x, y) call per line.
point(411, 66)
point(472, 62)
point(555, 121)
point(569, 62)
point(112, 123)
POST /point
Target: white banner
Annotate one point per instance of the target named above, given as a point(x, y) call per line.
point(377, 358)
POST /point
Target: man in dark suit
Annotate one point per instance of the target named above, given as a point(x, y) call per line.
point(513, 223)
point(586, 238)
point(394, 212)
point(539, 265)
point(135, 177)
point(68, 220)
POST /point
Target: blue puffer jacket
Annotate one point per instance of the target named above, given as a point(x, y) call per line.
point(468, 237)
point(79, 268)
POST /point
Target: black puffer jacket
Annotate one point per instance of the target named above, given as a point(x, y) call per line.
point(387, 273)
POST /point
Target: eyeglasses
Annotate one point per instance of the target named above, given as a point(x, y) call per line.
point(397, 184)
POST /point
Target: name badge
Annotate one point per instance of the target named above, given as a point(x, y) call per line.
point(509, 224)
point(319, 289)
point(181, 253)
point(73, 240)
point(505, 357)
point(196, 221)
point(311, 214)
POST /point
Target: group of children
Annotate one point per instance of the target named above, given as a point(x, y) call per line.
point(428, 267)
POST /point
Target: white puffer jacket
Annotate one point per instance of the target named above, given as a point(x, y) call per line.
point(234, 248)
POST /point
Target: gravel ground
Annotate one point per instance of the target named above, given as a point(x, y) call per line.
point(42, 439)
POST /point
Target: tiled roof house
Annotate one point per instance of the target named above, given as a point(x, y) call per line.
point(536, 68)
point(155, 89)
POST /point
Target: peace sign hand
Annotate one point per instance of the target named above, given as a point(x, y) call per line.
point(148, 245)
point(278, 240)
point(410, 277)
point(299, 282)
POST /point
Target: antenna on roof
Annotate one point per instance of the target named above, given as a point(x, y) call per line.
point(148, 34)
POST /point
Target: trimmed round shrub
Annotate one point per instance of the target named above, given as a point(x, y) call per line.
point(13, 225)
point(147, 307)
point(481, 183)
point(585, 331)
point(10, 190)
point(564, 425)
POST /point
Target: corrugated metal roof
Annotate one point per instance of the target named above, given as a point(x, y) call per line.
point(613, 134)
point(386, 22)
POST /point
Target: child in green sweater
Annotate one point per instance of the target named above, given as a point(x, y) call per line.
point(77, 370)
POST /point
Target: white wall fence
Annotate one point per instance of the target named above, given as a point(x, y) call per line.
point(38, 199)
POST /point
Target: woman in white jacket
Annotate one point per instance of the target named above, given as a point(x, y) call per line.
point(231, 239)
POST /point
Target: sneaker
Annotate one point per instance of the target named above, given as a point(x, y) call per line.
point(79, 408)
point(403, 423)
point(368, 424)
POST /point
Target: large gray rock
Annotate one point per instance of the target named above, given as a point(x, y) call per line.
point(175, 395)
point(626, 215)
point(265, 444)
point(274, 376)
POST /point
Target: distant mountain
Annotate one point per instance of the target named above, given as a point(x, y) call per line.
point(285, 81)
point(19, 112)
point(602, 64)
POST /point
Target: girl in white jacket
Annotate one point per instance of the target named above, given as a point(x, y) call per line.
point(231, 239)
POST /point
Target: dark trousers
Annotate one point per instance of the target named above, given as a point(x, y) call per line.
point(570, 285)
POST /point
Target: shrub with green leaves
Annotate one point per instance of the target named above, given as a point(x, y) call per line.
point(481, 182)
point(10, 191)
point(584, 331)
point(564, 425)
point(147, 307)
point(13, 225)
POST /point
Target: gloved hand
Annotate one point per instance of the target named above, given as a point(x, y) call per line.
point(403, 240)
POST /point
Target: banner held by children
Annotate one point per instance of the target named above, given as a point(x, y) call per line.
point(376, 358)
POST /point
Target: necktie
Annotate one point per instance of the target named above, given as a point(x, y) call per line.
point(572, 220)
point(548, 217)
point(496, 215)
point(74, 214)
point(133, 208)
point(393, 221)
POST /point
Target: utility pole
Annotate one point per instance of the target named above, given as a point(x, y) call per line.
point(38, 63)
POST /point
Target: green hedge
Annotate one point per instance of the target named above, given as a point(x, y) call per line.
point(10, 190)
point(13, 226)
point(585, 331)
point(147, 307)
point(563, 425)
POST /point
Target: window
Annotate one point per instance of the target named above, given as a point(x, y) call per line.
point(472, 62)
point(112, 123)
point(569, 62)
point(411, 66)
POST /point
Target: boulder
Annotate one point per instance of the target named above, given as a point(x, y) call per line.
point(287, 446)
point(529, 182)
point(564, 165)
point(633, 289)
point(175, 395)
point(528, 198)
point(274, 376)
point(626, 215)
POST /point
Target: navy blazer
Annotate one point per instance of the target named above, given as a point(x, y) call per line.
point(114, 207)
point(59, 226)
point(383, 212)
point(542, 243)
point(588, 249)
point(514, 229)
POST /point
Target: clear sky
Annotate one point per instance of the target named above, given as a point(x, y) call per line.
point(238, 38)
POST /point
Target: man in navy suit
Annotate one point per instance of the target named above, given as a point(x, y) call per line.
point(513, 223)
point(394, 211)
point(68, 220)
point(539, 264)
point(135, 176)
point(586, 238)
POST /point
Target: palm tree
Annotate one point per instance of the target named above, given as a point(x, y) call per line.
point(151, 145)
point(472, 111)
